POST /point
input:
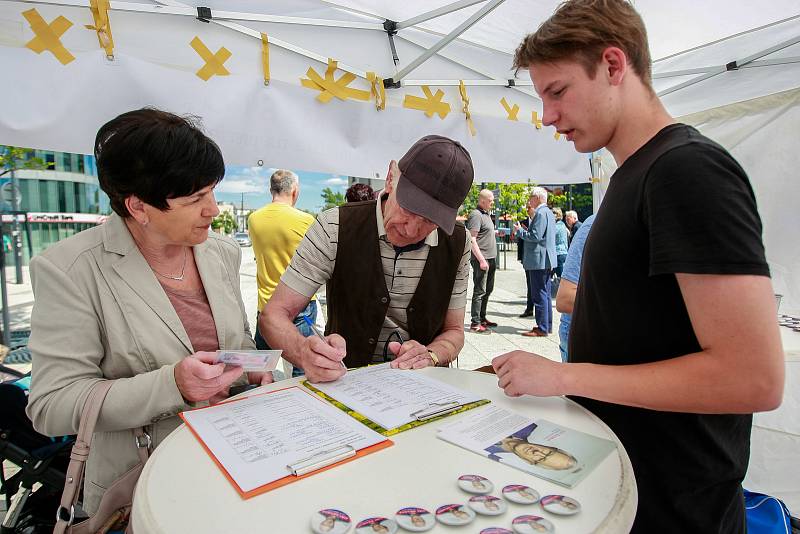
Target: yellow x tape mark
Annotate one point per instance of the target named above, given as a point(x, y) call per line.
point(214, 62)
point(535, 120)
point(556, 136)
point(465, 107)
point(48, 36)
point(431, 104)
point(330, 87)
point(512, 111)
point(102, 25)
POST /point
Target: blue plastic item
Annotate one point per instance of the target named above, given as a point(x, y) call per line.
point(766, 514)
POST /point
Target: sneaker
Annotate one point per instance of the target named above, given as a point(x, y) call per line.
point(535, 332)
point(478, 328)
point(526, 313)
point(487, 323)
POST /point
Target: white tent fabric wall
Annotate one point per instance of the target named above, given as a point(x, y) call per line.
point(762, 135)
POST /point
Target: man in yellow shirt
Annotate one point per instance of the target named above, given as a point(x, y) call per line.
point(276, 230)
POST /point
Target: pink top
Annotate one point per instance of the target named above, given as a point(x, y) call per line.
point(195, 313)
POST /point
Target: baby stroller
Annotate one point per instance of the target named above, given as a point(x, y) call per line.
point(32, 494)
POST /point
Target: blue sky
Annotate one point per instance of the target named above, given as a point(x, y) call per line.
point(254, 183)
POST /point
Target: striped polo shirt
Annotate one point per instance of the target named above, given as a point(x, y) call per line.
point(313, 262)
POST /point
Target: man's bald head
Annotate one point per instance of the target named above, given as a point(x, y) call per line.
point(485, 199)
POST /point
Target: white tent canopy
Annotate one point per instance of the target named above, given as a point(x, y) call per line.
point(61, 106)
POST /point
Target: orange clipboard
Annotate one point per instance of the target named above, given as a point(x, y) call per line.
point(288, 479)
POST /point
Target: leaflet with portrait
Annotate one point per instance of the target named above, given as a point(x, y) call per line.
point(539, 447)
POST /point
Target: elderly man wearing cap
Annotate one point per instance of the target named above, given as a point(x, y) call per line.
point(395, 271)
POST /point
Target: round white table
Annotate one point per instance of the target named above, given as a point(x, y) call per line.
point(182, 490)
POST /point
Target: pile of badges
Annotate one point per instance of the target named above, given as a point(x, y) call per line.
point(789, 322)
point(483, 503)
point(416, 519)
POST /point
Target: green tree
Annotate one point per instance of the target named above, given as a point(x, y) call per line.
point(331, 198)
point(224, 222)
point(511, 201)
point(13, 158)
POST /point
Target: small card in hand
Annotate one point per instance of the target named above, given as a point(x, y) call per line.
point(250, 360)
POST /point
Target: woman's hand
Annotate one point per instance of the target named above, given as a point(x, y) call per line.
point(200, 379)
point(260, 378)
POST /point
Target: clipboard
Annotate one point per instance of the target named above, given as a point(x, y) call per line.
point(298, 470)
point(432, 412)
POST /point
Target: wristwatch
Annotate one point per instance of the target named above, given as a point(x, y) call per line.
point(434, 358)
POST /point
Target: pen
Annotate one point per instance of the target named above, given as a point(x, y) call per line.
point(314, 329)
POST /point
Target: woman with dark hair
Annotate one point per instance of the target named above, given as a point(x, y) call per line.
point(143, 300)
point(359, 193)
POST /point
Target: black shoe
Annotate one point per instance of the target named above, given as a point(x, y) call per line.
point(526, 313)
point(488, 324)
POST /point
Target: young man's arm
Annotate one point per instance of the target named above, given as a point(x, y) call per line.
point(740, 368)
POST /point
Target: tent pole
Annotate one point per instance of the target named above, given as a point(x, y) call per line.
point(167, 9)
point(733, 65)
point(464, 26)
point(444, 10)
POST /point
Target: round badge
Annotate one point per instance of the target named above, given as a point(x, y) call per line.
point(330, 521)
point(520, 494)
point(488, 504)
point(496, 530)
point(454, 515)
point(560, 505)
point(475, 484)
point(415, 519)
point(532, 524)
point(374, 525)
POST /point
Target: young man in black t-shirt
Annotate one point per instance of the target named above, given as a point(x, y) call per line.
point(674, 342)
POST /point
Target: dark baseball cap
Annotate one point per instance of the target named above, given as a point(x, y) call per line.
point(435, 176)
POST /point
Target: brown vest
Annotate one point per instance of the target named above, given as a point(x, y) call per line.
point(357, 295)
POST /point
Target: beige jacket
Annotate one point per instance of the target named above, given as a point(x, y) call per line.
point(100, 313)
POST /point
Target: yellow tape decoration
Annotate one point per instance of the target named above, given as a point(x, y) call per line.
point(465, 107)
point(431, 104)
point(512, 111)
point(214, 62)
point(556, 136)
point(535, 120)
point(102, 25)
point(330, 87)
point(265, 56)
point(377, 90)
point(48, 36)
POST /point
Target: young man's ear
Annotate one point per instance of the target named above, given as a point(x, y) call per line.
point(614, 65)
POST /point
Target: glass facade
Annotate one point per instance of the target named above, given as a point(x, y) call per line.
point(68, 186)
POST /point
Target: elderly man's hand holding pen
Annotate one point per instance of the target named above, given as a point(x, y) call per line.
point(323, 356)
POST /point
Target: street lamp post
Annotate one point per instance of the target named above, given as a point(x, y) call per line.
point(16, 235)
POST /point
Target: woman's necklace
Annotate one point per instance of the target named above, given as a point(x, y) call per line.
point(170, 277)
